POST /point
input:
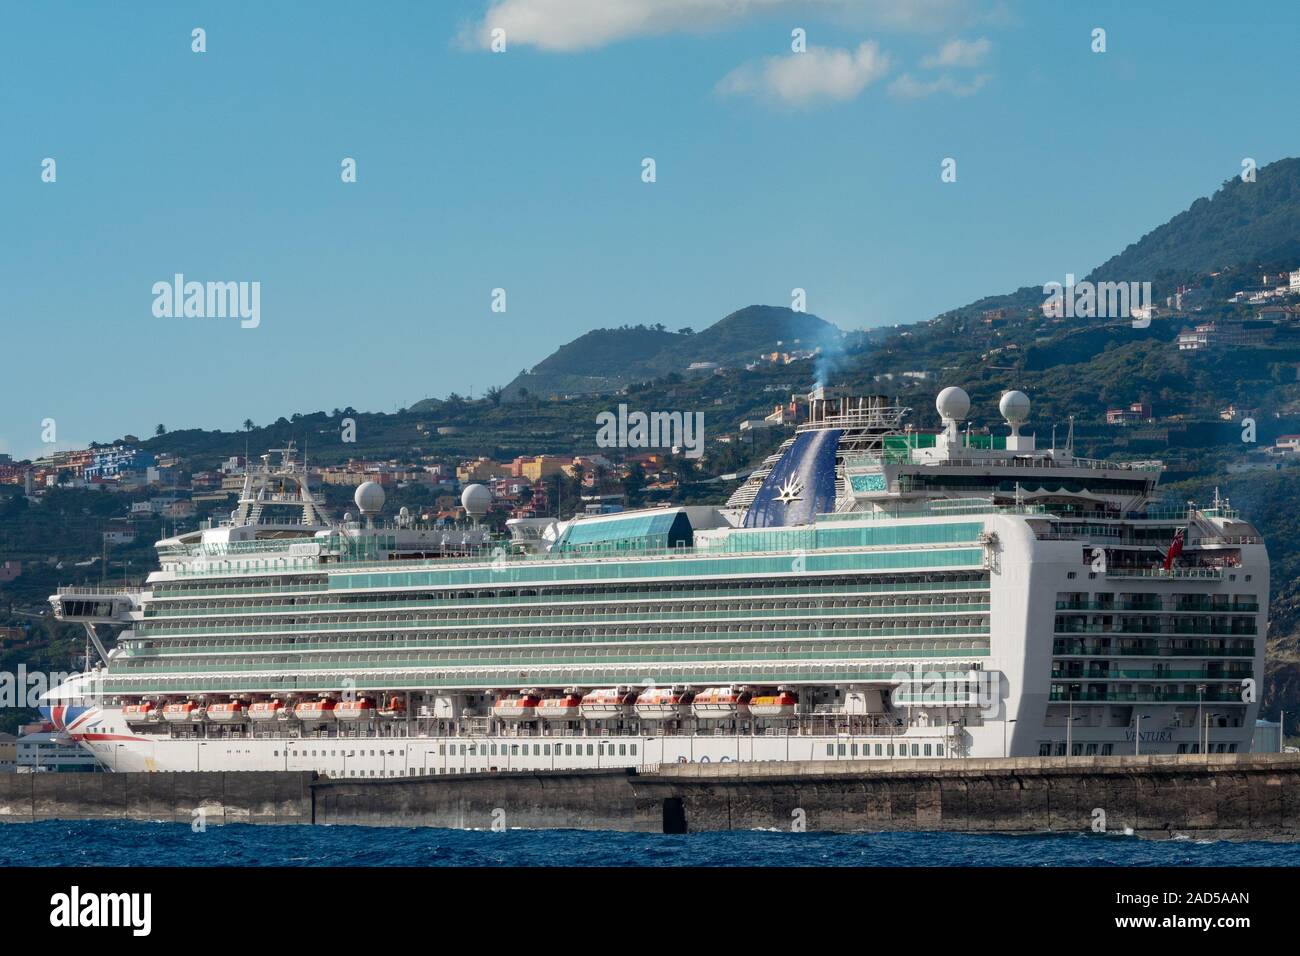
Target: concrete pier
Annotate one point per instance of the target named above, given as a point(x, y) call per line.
point(172, 797)
point(1227, 796)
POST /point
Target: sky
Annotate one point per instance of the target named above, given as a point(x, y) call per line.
point(523, 169)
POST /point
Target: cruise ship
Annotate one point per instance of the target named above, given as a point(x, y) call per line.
point(870, 591)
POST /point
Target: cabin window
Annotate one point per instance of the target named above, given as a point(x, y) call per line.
point(938, 750)
point(568, 750)
point(590, 749)
point(840, 748)
point(927, 750)
point(537, 750)
point(622, 750)
point(877, 750)
point(830, 750)
point(514, 750)
point(634, 750)
point(916, 750)
point(546, 750)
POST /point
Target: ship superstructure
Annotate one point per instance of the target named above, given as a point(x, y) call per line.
point(871, 591)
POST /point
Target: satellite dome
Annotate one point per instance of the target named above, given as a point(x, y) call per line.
point(953, 403)
point(476, 500)
point(369, 498)
point(1014, 407)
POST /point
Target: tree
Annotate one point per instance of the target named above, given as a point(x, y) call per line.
point(494, 395)
point(160, 430)
point(634, 485)
point(248, 425)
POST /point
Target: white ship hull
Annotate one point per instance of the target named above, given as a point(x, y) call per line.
point(123, 748)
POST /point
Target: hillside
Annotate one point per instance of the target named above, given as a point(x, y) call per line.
point(1242, 223)
point(604, 360)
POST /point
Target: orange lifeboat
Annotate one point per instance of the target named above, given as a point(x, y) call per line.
point(265, 709)
point(783, 703)
point(608, 702)
point(567, 706)
point(522, 707)
point(314, 710)
point(721, 702)
point(363, 708)
point(181, 711)
point(139, 713)
point(228, 713)
point(394, 707)
point(664, 703)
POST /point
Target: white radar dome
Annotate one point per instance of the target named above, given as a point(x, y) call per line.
point(476, 499)
point(953, 403)
point(369, 498)
point(1014, 407)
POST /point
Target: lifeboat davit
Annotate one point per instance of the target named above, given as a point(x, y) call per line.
point(522, 707)
point(228, 713)
point(783, 703)
point(181, 712)
point(139, 713)
point(664, 703)
point(394, 707)
point(609, 702)
point(265, 710)
point(363, 708)
point(714, 702)
point(316, 710)
point(566, 706)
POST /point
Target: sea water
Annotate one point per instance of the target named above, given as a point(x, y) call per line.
point(122, 843)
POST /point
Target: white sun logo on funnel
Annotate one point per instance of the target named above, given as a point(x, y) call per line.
point(790, 491)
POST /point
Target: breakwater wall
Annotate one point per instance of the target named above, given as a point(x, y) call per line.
point(218, 798)
point(1229, 796)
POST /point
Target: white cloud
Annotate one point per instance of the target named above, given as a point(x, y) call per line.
point(959, 53)
point(908, 87)
point(561, 26)
point(801, 78)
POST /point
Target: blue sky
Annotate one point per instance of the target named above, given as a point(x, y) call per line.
point(522, 170)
